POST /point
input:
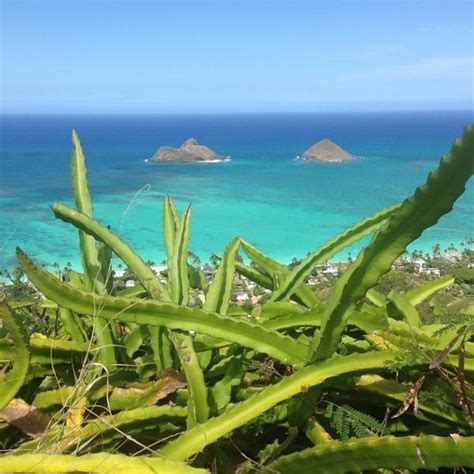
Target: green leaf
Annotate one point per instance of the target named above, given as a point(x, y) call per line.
point(220, 290)
point(421, 293)
point(72, 325)
point(270, 266)
point(220, 394)
point(170, 224)
point(403, 307)
point(155, 313)
point(15, 377)
point(196, 439)
point(430, 201)
point(178, 281)
point(143, 272)
point(328, 250)
point(388, 452)
point(97, 463)
point(91, 263)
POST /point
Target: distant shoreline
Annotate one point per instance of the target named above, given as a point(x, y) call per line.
point(117, 266)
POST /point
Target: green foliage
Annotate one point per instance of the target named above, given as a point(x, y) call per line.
point(19, 356)
point(348, 421)
point(138, 371)
point(430, 201)
point(410, 452)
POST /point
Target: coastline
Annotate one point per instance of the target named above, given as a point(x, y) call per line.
point(343, 258)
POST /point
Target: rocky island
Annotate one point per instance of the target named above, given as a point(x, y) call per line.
point(326, 150)
point(189, 152)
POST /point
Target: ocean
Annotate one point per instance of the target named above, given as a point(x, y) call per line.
point(283, 206)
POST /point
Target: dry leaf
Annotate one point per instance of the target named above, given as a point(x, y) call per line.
point(27, 418)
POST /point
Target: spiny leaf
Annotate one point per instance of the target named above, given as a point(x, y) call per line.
point(94, 278)
point(430, 201)
point(220, 290)
point(389, 452)
point(170, 224)
point(328, 250)
point(178, 281)
point(143, 272)
point(15, 377)
point(421, 293)
point(97, 463)
point(270, 266)
point(194, 440)
point(168, 315)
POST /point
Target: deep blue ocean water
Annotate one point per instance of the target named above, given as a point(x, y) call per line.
point(283, 206)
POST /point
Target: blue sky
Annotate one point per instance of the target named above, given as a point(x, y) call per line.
point(235, 56)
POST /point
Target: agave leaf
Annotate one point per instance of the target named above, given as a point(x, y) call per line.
point(387, 452)
point(430, 201)
point(421, 293)
point(328, 250)
point(220, 290)
point(15, 377)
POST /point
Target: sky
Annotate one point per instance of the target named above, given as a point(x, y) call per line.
point(111, 56)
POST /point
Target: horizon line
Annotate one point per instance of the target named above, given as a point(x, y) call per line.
point(282, 112)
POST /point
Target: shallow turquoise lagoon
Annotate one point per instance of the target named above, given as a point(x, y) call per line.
point(284, 206)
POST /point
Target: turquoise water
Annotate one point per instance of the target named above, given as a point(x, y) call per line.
point(283, 206)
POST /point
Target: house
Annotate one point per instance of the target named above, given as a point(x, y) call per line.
point(242, 297)
point(208, 271)
point(330, 270)
point(419, 264)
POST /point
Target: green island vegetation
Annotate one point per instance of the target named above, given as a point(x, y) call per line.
point(247, 365)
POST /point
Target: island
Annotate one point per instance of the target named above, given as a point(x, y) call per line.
point(189, 152)
point(326, 150)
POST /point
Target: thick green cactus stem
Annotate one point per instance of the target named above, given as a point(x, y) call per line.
point(389, 452)
point(176, 235)
point(170, 224)
point(155, 313)
point(143, 272)
point(430, 201)
point(89, 254)
point(220, 290)
point(97, 463)
point(178, 280)
point(102, 425)
point(303, 293)
point(402, 306)
point(196, 439)
point(419, 294)
point(397, 392)
point(198, 409)
point(328, 250)
point(15, 377)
